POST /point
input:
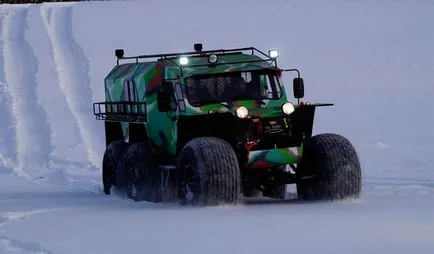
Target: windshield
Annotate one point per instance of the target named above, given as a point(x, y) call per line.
point(226, 87)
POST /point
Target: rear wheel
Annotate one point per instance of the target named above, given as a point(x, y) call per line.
point(112, 164)
point(208, 173)
point(329, 169)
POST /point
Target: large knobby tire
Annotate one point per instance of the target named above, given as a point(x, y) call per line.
point(334, 164)
point(112, 164)
point(208, 173)
point(143, 176)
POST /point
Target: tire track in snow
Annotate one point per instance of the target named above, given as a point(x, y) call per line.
point(72, 68)
point(14, 216)
point(7, 131)
point(8, 245)
point(20, 66)
point(66, 148)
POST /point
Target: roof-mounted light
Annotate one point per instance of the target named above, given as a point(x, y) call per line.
point(183, 60)
point(119, 53)
point(198, 47)
point(273, 53)
point(212, 59)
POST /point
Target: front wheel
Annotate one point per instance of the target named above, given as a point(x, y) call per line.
point(329, 169)
point(208, 173)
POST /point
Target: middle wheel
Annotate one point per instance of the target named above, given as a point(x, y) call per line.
point(143, 176)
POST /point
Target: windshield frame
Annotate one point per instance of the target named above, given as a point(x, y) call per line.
point(277, 88)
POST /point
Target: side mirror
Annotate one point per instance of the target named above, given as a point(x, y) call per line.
point(298, 88)
point(163, 97)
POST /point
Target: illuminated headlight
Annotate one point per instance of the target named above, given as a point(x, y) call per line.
point(288, 108)
point(242, 112)
point(183, 60)
point(212, 59)
point(273, 53)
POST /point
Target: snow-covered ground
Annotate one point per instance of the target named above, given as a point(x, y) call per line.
point(373, 59)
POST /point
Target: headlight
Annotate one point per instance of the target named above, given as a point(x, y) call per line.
point(288, 108)
point(242, 112)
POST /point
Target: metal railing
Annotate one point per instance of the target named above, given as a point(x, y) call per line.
point(122, 111)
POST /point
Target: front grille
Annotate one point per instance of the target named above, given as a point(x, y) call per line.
point(273, 127)
point(276, 134)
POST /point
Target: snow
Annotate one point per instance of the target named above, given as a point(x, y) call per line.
point(373, 59)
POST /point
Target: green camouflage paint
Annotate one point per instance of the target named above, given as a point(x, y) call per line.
point(274, 157)
point(147, 79)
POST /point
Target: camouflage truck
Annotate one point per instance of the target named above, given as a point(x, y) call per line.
point(211, 127)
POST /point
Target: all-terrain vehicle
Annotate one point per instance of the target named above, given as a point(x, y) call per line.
point(209, 127)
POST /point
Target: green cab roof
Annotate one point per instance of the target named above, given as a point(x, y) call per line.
point(199, 65)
